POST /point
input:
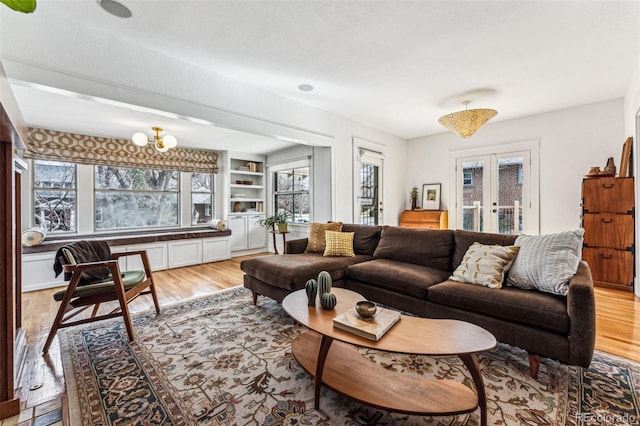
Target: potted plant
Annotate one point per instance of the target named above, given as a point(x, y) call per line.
point(279, 219)
point(413, 196)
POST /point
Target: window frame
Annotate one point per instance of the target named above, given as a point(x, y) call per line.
point(96, 190)
point(211, 209)
point(275, 193)
point(74, 190)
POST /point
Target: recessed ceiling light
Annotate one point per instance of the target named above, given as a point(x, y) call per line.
point(115, 8)
point(305, 87)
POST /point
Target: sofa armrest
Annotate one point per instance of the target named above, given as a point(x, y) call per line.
point(581, 308)
point(297, 246)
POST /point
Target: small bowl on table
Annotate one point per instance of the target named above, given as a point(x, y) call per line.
point(366, 309)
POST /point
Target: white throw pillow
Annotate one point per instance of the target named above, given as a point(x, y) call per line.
point(547, 262)
point(485, 265)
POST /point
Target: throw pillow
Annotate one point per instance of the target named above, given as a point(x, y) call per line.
point(547, 262)
point(316, 242)
point(339, 244)
point(485, 265)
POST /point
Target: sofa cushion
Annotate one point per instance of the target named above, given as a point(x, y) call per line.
point(316, 241)
point(532, 308)
point(547, 262)
point(485, 265)
point(405, 278)
point(338, 244)
point(464, 239)
point(291, 271)
point(426, 247)
point(366, 237)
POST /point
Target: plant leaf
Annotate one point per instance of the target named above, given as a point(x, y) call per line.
point(24, 6)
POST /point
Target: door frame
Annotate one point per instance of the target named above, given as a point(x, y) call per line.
point(375, 148)
point(532, 227)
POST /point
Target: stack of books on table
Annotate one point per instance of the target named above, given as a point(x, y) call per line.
point(370, 328)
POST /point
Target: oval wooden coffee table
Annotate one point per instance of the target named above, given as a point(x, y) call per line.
point(340, 367)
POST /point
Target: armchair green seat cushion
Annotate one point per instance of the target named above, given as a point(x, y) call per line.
point(130, 279)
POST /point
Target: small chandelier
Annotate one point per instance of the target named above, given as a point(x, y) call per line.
point(466, 123)
point(162, 144)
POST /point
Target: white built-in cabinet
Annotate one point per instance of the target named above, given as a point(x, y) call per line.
point(246, 204)
point(246, 233)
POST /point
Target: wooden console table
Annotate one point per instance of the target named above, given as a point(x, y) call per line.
point(432, 219)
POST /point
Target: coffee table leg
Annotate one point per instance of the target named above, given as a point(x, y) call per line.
point(325, 344)
point(472, 365)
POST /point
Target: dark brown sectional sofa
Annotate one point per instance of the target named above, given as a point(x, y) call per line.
point(408, 269)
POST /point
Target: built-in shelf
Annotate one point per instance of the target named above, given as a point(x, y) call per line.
point(237, 185)
point(245, 173)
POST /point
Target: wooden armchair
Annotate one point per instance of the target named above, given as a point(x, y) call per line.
point(79, 296)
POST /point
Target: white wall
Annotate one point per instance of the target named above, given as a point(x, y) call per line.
point(571, 141)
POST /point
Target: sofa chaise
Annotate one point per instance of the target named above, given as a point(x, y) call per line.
point(410, 269)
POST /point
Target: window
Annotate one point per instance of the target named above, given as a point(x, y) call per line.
point(467, 178)
point(291, 193)
point(54, 195)
point(127, 198)
point(201, 198)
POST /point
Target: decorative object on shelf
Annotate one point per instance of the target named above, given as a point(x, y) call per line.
point(237, 207)
point(431, 196)
point(328, 301)
point(279, 219)
point(219, 224)
point(324, 282)
point(253, 167)
point(247, 182)
point(239, 182)
point(162, 144)
point(610, 168)
point(626, 161)
point(311, 287)
point(366, 309)
point(413, 195)
point(465, 123)
point(33, 236)
point(593, 171)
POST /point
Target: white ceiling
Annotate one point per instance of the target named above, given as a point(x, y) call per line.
point(396, 66)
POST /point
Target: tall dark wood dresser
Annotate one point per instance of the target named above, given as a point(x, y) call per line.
point(608, 216)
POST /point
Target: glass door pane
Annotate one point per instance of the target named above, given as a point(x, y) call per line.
point(474, 179)
point(510, 195)
point(368, 201)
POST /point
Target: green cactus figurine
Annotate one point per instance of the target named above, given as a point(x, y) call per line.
point(324, 282)
point(328, 301)
point(311, 287)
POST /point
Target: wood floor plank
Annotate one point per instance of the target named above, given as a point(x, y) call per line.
point(617, 321)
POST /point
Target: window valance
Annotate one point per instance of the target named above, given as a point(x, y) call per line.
point(45, 144)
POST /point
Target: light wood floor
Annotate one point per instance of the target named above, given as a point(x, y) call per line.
point(617, 324)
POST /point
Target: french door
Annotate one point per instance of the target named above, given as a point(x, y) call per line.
point(368, 170)
point(494, 193)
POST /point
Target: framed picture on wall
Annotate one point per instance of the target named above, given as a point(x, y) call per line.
point(431, 196)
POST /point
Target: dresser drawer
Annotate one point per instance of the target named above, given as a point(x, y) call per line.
point(609, 230)
point(607, 195)
point(609, 265)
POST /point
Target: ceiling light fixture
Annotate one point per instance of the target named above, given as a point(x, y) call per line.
point(162, 144)
point(115, 8)
point(466, 123)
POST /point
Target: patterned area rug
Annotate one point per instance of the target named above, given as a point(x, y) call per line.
point(219, 360)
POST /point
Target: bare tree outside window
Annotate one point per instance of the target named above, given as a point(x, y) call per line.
point(54, 195)
point(292, 194)
point(128, 198)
